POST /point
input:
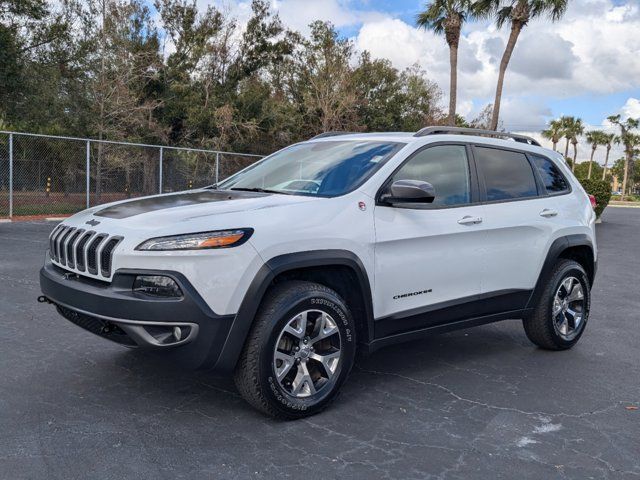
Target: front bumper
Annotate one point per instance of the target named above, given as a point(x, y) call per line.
point(185, 328)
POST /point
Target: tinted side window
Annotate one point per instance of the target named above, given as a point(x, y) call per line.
point(553, 180)
point(507, 175)
point(446, 168)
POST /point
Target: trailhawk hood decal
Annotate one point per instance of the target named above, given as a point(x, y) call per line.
point(151, 204)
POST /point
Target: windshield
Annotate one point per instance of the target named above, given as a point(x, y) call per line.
point(324, 169)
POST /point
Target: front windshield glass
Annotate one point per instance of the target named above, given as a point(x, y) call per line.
point(324, 169)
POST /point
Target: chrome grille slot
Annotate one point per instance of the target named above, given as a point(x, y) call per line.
point(80, 260)
point(59, 238)
point(83, 251)
point(62, 243)
point(106, 254)
point(92, 257)
point(71, 260)
point(52, 242)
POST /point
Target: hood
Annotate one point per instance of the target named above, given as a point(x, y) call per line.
point(178, 211)
point(140, 206)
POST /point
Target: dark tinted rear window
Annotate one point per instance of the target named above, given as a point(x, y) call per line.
point(507, 175)
point(553, 180)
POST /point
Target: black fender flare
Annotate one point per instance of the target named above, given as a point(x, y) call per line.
point(558, 246)
point(243, 320)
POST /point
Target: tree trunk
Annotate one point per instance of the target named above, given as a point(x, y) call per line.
point(566, 150)
point(555, 145)
point(606, 162)
point(453, 84)
point(628, 158)
point(593, 151)
point(516, 28)
point(575, 157)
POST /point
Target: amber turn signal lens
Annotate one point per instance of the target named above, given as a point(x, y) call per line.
point(221, 241)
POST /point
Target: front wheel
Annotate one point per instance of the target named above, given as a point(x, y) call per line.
point(561, 315)
point(299, 351)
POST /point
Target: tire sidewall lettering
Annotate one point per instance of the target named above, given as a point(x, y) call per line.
point(344, 322)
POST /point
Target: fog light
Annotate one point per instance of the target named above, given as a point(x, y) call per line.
point(177, 333)
point(157, 286)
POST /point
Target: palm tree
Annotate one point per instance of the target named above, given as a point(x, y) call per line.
point(566, 124)
point(554, 132)
point(595, 139)
point(446, 17)
point(608, 139)
point(630, 142)
point(577, 129)
point(518, 13)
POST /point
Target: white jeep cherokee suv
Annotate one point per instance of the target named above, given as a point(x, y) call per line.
point(343, 242)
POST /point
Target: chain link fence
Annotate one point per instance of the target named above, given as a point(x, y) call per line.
point(53, 175)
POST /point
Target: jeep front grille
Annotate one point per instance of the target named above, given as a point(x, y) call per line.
point(83, 251)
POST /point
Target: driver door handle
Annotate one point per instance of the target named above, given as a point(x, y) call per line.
point(547, 213)
point(469, 220)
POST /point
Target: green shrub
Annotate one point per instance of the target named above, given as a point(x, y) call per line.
point(601, 189)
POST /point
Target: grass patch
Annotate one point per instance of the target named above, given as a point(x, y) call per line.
point(46, 209)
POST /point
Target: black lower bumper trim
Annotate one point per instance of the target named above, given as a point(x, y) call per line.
point(194, 333)
point(97, 326)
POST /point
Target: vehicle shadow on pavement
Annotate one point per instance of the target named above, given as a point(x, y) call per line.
point(419, 362)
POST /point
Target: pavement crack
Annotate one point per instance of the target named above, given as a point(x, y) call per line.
point(491, 406)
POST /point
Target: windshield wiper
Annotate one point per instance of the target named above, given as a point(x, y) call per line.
point(258, 189)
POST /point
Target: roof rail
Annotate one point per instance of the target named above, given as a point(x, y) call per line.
point(475, 131)
point(330, 134)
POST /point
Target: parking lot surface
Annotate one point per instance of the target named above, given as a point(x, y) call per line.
point(478, 403)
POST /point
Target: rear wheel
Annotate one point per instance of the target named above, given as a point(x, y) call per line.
point(561, 315)
point(299, 351)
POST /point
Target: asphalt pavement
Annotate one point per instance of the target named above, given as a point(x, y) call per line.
point(479, 403)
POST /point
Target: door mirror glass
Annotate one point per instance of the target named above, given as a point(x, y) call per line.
point(410, 191)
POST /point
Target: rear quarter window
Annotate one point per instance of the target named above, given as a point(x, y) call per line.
point(552, 178)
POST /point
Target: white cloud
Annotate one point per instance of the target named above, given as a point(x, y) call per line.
point(631, 109)
point(298, 14)
point(593, 50)
point(403, 44)
point(518, 113)
point(549, 57)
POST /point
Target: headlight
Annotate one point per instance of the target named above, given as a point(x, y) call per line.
point(198, 241)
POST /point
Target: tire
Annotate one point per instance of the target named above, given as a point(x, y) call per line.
point(550, 325)
point(281, 388)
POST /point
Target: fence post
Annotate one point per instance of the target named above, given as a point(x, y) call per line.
point(88, 172)
point(217, 165)
point(10, 175)
point(160, 172)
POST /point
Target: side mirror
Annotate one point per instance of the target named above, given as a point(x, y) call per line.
point(409, 191)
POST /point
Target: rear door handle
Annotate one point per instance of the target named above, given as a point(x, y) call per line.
point(547, 213)
point(469, 220)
